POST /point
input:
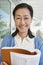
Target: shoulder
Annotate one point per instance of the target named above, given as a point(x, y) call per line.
point(37, 39)
point(8, 37)
point(6, 41)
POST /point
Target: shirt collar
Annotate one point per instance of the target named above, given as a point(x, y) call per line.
point(27, 37)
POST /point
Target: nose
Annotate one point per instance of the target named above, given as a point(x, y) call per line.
point(22, 21)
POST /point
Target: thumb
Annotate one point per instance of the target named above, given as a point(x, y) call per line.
point(4, 63)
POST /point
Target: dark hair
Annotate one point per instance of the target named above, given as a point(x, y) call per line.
point(23, 5)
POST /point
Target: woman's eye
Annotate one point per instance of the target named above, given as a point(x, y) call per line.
point(18, 18)
point(26, 18)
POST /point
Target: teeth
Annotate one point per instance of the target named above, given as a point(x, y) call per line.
point(22, 27)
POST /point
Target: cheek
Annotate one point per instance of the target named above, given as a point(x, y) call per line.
point(17, 24)
point(28, 23)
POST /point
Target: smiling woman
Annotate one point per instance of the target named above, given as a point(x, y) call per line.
point(23, 14)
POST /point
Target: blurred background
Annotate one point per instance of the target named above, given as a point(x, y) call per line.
point(7, 25)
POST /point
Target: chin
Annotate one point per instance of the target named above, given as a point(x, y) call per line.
point(22, 31)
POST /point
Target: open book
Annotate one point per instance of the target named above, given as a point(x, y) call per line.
point(17, 56)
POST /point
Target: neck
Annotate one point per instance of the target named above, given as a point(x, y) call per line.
point(22, 35)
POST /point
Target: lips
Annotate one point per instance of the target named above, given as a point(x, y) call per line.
point(22, 27)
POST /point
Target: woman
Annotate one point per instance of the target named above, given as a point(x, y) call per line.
point(23, 14)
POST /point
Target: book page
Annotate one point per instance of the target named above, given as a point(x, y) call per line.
point(17, 59)
point(22, 59)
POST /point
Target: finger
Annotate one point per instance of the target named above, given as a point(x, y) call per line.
point(5, 63)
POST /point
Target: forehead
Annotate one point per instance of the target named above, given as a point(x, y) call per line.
point(22, 11)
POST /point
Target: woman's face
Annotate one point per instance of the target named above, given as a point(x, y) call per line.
point(23, 20)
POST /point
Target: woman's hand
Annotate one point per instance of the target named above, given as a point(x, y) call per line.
point(4, 63)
